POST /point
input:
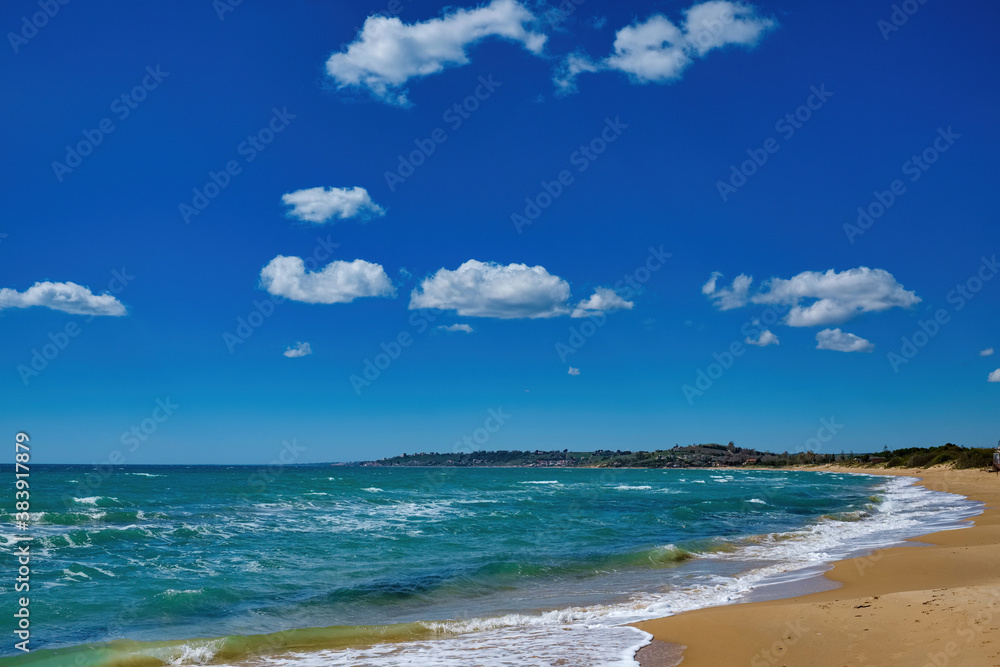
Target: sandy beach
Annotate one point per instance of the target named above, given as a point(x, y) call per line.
point(936, 605)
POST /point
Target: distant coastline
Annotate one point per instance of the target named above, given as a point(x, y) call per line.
point(710, 455)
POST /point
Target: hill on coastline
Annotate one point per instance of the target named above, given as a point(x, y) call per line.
point(691, 456)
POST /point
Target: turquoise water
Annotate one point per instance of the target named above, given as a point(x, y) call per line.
point(523, 556)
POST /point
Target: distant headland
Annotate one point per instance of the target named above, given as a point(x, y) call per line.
point(710, 455)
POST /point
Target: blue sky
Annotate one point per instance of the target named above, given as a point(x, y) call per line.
point(597, 325)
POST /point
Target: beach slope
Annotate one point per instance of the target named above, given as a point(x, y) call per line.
point(935, 606)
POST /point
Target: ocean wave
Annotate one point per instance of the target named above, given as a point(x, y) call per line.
point(580, 635)
point(170, 592)
point(548, 637)
point(97, 501)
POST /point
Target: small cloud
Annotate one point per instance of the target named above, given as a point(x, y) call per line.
point(67, 297)
point(764, 339)
point(576, 371)
point(994, 376)
point(387, 53)
point(603, 299)
point(658, 50)
point(817, 299)
point(727, 298)
point(299, 350)
point(457, 327)
point(840, 341)
point(320, 205)
point(598, 22)
point(986, 353)
point(709, 287)
point(337, 282)
point(488, 289)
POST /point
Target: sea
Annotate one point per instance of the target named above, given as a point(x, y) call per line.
point(319, 566)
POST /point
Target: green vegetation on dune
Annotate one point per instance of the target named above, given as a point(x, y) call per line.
point(924, 457)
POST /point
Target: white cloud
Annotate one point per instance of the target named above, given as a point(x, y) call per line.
point(840, 341)
point(603, 299)
point(650, 51)
point(727, 298)
point(479, 289)
point(457, 327)
point(574, 371)
point(715, 24)
point(337, 282)
point(572, 66)
point(299, 350)
point(387, 52)
point(67, 297)
point(764, 339)
point(986, 353)
point(994, 376)
point(818, 299)
point(322, 204)
point(658, 51)
point(838, 296)
point(709, 286)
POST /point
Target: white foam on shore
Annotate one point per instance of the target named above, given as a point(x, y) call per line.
point(595, 636)
point(575, 644)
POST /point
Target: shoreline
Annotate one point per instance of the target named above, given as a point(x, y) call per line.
point(938, 604)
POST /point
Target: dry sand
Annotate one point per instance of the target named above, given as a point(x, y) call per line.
point(925, 606)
